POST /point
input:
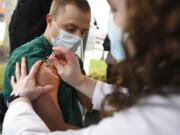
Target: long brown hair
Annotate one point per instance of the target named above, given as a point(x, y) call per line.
point(154, 32)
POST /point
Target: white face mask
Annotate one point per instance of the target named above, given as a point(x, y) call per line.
point(66, 40)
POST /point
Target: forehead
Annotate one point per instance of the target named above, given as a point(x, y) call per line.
point(72, 14)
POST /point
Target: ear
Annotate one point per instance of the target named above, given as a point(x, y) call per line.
point(49, 19)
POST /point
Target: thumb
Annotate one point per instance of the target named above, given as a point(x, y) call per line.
point(60, 69)
point(45, 89)
point(58, 65)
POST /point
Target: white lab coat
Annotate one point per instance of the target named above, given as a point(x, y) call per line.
point(158, 116)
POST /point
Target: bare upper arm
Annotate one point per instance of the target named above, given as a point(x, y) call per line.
point(47, 75)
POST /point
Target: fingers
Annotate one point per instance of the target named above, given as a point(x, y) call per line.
point(67, 53)
point(18, 71)
point(60, 50)
point(13, 82)
point(34, 69)
point(58, 65)
point(55, 60)
point(23, 67)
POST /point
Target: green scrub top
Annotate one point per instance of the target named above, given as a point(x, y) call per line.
point(40, 49)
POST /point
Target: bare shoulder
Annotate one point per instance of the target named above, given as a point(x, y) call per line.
point(47, 75)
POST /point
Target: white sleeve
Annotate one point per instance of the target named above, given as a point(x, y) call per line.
point(101, 90)
point(21, 119)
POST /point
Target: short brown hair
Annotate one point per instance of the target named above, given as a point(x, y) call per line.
point(81, 4)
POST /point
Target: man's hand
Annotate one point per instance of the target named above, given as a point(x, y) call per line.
point(25, 85)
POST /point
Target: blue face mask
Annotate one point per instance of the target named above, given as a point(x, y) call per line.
point(66, 40)
point(115, 34)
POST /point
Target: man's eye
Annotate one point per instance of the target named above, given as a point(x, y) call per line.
point(70, 29)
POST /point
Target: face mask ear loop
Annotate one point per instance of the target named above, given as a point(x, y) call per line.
point(50, 31)
point(82, 50)
point(55, 24)
point(50, 35)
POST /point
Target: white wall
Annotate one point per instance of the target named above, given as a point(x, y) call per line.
point(94, 50)
point(100, 9)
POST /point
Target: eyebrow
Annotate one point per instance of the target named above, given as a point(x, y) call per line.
point(70, 24)
point(74, 25)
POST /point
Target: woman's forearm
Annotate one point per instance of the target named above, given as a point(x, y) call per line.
point(86, 86)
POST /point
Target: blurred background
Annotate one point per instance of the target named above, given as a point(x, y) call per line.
point(92, 52)
point(93, 55)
